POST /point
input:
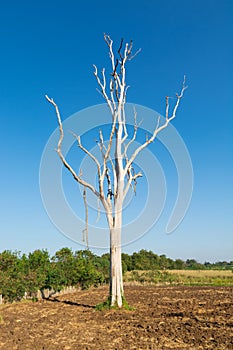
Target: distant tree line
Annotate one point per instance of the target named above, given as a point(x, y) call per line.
point(20, 273)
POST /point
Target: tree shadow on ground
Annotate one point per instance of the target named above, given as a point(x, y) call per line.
point(68, 302)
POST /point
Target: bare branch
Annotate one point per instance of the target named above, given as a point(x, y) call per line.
point(119, 50)
point(104, 79)
point(64, 161)
point(135, 181)
point(113, 89)
point(128, 52)
point(158, 128)
point(135, 133)
point(125, 93)
point(130, 48)
point(117, 92)
point(101, 143)
point(111, 138)
point(167, 107)
point(134, 55)
point(132, 177)
point(115, 68)
point(124, 127)
point(110, 194)
point(109, 42)
point(78, 138)
point(103, 87)
point(103, 150)
point(86, 215)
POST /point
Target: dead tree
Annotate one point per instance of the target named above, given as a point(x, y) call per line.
point(118, 173)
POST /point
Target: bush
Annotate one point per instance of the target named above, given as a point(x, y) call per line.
point(20, 274)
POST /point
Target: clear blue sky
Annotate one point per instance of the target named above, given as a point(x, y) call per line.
point(49, 47)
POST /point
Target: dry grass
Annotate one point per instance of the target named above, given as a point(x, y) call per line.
point(202, 273)
point(181, 277)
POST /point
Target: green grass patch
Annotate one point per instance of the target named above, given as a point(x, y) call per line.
point(106, 305)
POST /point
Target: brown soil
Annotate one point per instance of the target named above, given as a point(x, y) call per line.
point(164, 318)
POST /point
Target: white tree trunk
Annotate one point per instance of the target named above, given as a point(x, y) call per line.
point(116, 279)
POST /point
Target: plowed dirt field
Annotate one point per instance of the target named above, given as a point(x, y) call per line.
point(164, 318)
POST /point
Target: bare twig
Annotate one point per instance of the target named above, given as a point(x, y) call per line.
point(103, 88)
point(132, 177)
point(136, 126)
point(103, 150)
point(78, 138)
point(86, 214)
point(120, 47)
point(134, 55)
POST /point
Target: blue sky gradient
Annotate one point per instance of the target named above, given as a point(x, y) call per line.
point(49, 48)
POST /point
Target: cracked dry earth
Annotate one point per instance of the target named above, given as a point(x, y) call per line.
point(164, 318)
